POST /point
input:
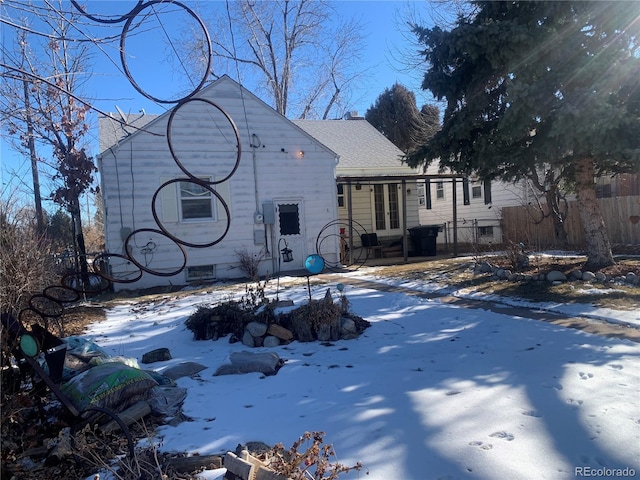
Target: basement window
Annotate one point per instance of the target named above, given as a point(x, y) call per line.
point(201, 272)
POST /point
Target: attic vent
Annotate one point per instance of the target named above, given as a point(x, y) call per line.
point(353, 115)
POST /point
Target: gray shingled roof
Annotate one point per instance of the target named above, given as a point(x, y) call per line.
point(357, 142)
point(111, 131)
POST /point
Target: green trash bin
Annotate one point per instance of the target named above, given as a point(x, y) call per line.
point(423, 238)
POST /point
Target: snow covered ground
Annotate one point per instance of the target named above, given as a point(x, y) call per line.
point(429, 391)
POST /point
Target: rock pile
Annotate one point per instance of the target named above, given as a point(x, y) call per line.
point(554, 276)
point(269, 326)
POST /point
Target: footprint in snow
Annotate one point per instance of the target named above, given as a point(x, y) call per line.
point(503, 435)
point(585, 376)
point(557, 386)
point(532, 413)
point(574, 403)
point(483, 446)
point(615, 366)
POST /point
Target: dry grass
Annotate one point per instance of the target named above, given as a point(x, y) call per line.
point(458, 273)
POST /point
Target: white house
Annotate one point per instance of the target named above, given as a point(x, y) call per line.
point(216, 183)
point(473, 208)
point(377, 193)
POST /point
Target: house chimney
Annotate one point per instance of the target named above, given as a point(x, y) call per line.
point(353, 115)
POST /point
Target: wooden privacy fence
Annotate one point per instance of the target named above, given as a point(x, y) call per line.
point(621, 217)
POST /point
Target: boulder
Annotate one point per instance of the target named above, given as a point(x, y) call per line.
point(157, 355)
point(270, 341)
point(246, 362)
point(575, 275)
point(280, 332)
point(588, 276)
point(556, 276)
point(485, 267)
point(347, 325)
point(256, 329)
point(248, 340)
point(184, 369)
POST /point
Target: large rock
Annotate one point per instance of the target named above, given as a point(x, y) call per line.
point(257, 329)
point(270, 341)
point(248, 339)
point(157, 355)
point(246, 362)
point(556, 276)
point(280, 332)
point(184, 369)
point(588, 276)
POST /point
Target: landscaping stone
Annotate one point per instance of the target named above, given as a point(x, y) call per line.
point(248, 339)
point(347, 325)
point(556, 276)
point(280, 332)
point(257, 329)
point(246, 362)
point(575, 275)
point(601, 277)
point(485, 267)
point(184, 369)
point(157, 355)
point(588, 276)
point(270, 341)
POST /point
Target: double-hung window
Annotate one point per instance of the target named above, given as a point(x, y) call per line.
point(196, 202)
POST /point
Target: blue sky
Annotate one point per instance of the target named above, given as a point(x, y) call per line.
point(384, 43)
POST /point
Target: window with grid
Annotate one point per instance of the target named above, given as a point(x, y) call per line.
point(196, 202)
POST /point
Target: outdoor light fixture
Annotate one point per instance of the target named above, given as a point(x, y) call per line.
point(301, 154)
point(287, 256)
point(287, 253)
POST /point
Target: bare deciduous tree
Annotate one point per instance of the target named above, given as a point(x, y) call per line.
point(45, 112)
point(294, 52)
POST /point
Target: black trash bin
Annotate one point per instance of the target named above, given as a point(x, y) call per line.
point(424, 238)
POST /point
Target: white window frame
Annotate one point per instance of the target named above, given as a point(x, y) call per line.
point(476, 190)
point(420, 190)
point(440, 190)
point(181, 199)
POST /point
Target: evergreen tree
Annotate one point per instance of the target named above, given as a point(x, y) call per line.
point(536, 85)
point(397, 117)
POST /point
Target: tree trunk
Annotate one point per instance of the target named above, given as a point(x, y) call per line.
point(79, 237)
point(34, 158)
point(559, 232)
point(595, 234)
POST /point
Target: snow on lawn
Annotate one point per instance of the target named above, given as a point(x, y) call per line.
point(429, 391)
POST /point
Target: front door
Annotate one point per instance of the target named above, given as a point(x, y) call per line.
point(387, 208)
point(290, 232)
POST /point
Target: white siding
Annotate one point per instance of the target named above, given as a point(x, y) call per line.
point(144, 162)
point(473, 218)
point(363, 210)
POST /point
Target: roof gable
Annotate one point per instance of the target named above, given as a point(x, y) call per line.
point(118, 127)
